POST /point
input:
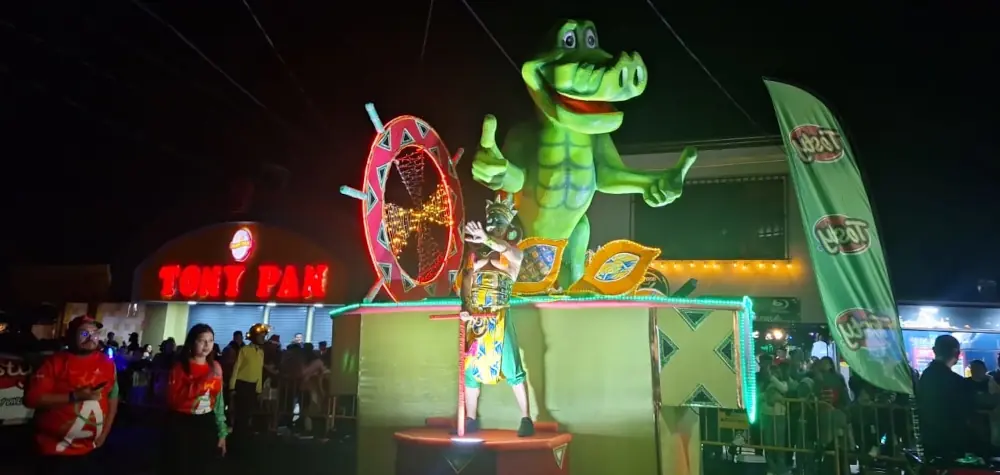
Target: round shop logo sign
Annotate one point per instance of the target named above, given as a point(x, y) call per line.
point(242, 244)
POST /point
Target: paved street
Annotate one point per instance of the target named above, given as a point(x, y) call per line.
point(132, 450)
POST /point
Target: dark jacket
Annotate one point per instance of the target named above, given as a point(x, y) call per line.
point(946, 404)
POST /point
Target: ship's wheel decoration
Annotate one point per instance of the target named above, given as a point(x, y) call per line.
point(412, 210)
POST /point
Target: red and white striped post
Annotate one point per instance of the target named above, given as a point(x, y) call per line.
point(460, 425)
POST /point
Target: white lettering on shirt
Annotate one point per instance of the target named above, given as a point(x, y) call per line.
point(79, 430)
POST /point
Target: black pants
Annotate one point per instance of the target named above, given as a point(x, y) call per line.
point(244, 405)
point(191, 445)
point(66, 465)
point(227, 398)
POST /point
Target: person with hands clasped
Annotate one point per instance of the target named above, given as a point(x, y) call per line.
point(196, 432)
point(75, 397)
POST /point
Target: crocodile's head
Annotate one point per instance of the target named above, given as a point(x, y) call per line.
point(574, 82)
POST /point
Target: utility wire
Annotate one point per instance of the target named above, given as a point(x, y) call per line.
point(109, 123)
point(288, 69)
point(139, 134)
point(218, 68)
point(701, 65)
point(494, 38)
point(149, 57)
point(160, 63)
point(200, 53)
point(59, 51)
point(427, 31)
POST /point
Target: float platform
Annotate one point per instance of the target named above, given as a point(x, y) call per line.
point(434, 450)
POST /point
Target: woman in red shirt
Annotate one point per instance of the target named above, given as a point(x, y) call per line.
point(197, 431)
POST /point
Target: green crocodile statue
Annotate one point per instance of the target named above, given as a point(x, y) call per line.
point(557, 163)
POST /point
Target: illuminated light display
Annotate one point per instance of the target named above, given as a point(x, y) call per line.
point(273, 282)
point(724, 266)
point(241, 246)
point(402, 223)
point(410, 147)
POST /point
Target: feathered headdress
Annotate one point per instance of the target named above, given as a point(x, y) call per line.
point(502, 206)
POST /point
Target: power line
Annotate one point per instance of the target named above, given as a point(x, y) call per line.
point(200, 53)
point(427, 32)
point(494, 38)
point(109, 123)
point(288, 69)
point(137, 134)
point(701, 65)
point(94, 70)
point(58, 50)
point(97, 71)
point(218, 68)
point(162, 64)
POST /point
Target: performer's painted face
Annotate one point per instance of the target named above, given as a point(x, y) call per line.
point(88, 337)
point(496, 225)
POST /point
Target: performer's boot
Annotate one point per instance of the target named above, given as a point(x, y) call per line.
point(527, 428)
point(471, 426)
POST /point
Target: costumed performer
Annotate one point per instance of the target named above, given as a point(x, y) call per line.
point(491, 348)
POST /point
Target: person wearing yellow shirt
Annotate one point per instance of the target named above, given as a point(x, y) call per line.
point(247, 379)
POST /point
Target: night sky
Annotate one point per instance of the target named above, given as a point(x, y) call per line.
point(118, 136)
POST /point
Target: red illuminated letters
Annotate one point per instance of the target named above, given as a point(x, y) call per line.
point(194, 282)
point(314, 282)
point(267, 277)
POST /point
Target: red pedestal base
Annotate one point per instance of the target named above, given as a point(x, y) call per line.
point(433, 450)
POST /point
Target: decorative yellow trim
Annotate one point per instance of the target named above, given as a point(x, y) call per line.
point(649, 292)
point(735, 266)
point(628, 281)
point(547, 282)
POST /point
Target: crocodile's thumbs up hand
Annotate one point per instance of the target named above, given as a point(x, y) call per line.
point(489, 137)
point(669, 186)
point(489, 166)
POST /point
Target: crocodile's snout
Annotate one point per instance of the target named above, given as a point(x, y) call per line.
point(628, 78)
point(615, 80)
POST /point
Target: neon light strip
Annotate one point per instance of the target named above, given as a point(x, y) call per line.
point(548, 301)
point(748, 359)
point(373, 116)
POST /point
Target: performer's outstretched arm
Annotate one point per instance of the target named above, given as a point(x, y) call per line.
point(509, 251)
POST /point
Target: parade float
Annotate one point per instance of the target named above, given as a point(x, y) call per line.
point(612, 370)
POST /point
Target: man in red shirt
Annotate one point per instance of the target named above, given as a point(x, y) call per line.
point(75, 395)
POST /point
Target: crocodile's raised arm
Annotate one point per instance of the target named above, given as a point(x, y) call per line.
point(658, 187)
point(494, 168)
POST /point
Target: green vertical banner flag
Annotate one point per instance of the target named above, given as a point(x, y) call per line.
point(844, 244)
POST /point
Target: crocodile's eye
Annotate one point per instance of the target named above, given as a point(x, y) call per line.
point(569, 39)
point(590, 38)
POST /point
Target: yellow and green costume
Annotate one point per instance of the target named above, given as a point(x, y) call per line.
point(491, 347)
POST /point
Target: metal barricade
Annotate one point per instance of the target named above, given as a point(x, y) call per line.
point(816, 437)
point(879, 435)
point(810, 437)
